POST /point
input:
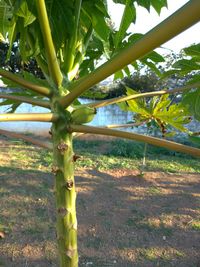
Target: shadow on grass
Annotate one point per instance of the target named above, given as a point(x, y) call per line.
point(124, 219)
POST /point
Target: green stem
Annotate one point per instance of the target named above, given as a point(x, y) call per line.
point(80, 55)
point(44, 117)
point(116, 100)
point(144, 155)
point(41, 63)
point(26, 138)
point(26, 84)
point(71, 52)
point(88, 37)
point(29, 100)
point(65, 195)
point(169, 28)
point(53, 64)
point(138, 137)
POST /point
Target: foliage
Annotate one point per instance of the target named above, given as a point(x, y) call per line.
point(188, 66)
point(158, 111)
point(83, 43)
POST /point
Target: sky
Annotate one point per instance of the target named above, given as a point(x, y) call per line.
point(146, 21)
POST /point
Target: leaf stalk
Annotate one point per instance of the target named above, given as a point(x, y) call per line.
point(29, 100)
point(43, 117)
point(25, 84)
point(53, 64)
point(138, 137)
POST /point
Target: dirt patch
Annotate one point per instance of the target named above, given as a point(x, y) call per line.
point(125, 219)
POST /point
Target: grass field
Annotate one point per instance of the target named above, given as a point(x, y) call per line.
point(128, 215)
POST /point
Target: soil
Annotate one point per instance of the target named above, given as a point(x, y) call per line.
point(125, 218)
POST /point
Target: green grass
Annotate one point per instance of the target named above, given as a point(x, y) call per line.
point(116, 154)
point(196, 225)
point(128, 154)
point(154, 190)
point(154, 254)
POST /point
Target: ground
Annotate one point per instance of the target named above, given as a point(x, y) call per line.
point(126, 217)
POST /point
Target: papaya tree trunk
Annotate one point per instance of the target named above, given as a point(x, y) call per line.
point(65, 194)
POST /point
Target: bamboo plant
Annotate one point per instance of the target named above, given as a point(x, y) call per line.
point(67, 38)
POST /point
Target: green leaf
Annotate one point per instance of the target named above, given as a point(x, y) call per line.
point(144, 3)
point(98, 20)
point(127, 71)
point(128, 17)
point(193, 50)
point(158, 4)
point(162, 103)
point(137, 105)
point(194, 79)
point(197, 107)
point(158, 111)
point(124, 106)
point(170, 134)
point(175, 115)
point(152, 66)
point(25, 13)
point(186, 65)
point(192, 101)
point(2, 39)
point(135, 37)
point(61, 21)
point(119, 75)
point(155, 57)
point(5, 17)
point(195, 140)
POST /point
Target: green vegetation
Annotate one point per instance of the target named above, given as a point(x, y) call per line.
point(127, 154)
point(196, 225)
point(116, 154)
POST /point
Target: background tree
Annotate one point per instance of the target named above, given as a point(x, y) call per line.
point(67, 38)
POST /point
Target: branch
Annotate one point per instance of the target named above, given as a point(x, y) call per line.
point(29, 100)
point(169, 28)
point(110, 126)
point(44, 117)
point(53, 64)
point(26, 138)
point(32, 86)
point(115, 100)
point(138, 137)
point(135, 124)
